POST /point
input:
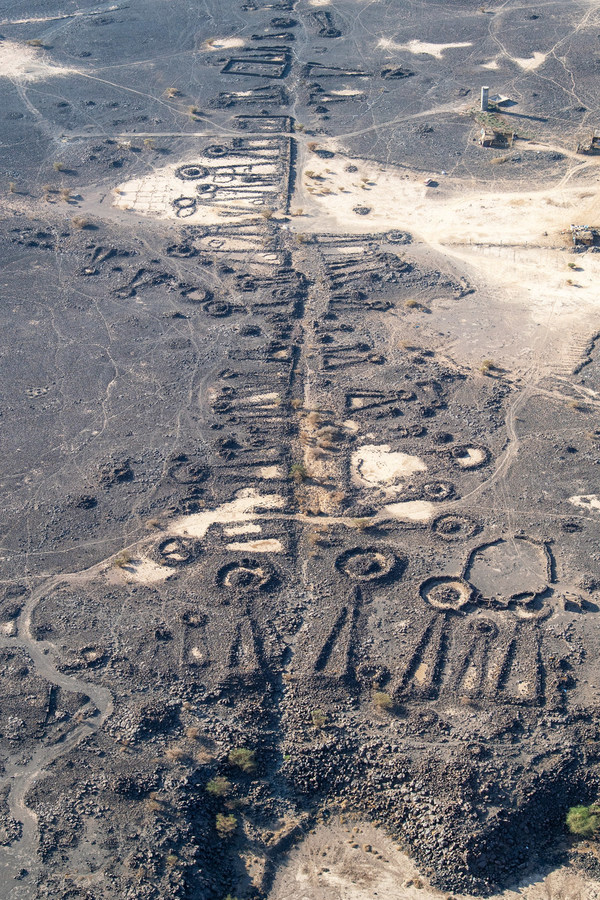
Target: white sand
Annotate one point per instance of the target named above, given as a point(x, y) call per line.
point(586, 501)
point(473, 458)
point(377, 465)
point(144, 570)
point(251, 528)
point(268, 472)
point(534, 62)
point(436, 50)
point(268, 545)
point(19, 62)
point(511, 240)
point(224, 43)
point(154, 194)
point(347, 861)
point(411, 510)
point(241, 509)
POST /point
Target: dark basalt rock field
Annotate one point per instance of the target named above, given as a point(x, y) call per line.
point(283, 470)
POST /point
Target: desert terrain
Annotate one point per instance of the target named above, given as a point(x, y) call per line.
point(300, 356)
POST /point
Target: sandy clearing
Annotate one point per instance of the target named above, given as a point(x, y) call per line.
point(436, 50)
point(473, 458)
point(251, 528)
point(38, 19)
point(143, 570)
point(241, 509)
point(411, 510)
point(533, 62)
point(586, 501)
point(359, 862)
point(509, 240)
point(20, 62)
point(258, 398)
point(377, 465)
point(162, 194)
point(268, 472)
point(224, 43)
point(268, 545)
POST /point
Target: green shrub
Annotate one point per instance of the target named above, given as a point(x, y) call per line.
point(219, 786)
point(298, 473)
point(319, 718)
point(583, 820)
point(225, 825)
point(382, 700)
point(244, 759)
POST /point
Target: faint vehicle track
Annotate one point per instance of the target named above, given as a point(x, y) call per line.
point(22, 853)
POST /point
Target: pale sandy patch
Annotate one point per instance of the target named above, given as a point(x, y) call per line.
point(22, 63)
point(250, 528)
point(241, 509)
point(586, 501)
point(350, 425)
point(261, 398)
point(360, 862)
point(534, 62)
point(377, 465)
point(224, 43)
point(268, 472)
point(411, 510)
point(145, 571)
point(511, 240)
point(436, 50)
point(473, 458)
point(346, 92)
point(8, 629)
point(263, 401)
point(268, 545)
point(493, 65)
point(161, 194)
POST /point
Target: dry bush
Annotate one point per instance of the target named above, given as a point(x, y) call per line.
point(226, 825)
point(382, 700)
point(243, 759)
point(315, 453)
point(361, 524)
point(318, 718)
point(219, 786)
point(80, 222)
point(122, 559)
point(298, 473)
point(175, 753)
